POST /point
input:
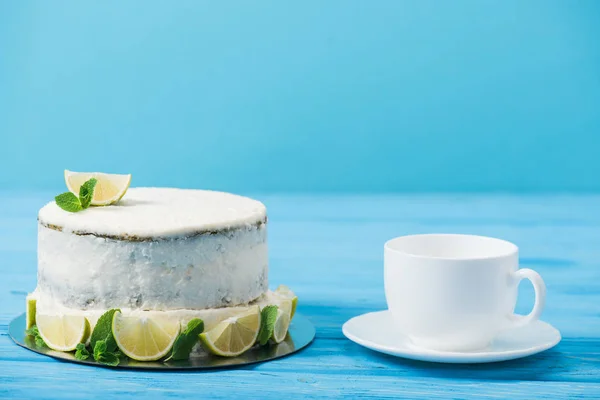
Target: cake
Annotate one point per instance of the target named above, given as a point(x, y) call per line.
point(165, 253)
point(157, 249)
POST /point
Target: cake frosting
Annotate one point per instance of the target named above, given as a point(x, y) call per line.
point(158, 249)
point(155, 213)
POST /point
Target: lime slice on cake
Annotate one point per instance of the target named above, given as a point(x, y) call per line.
point(282, 323)
point(235, 335)
point(109, 189)
point(142, 338)
point(63, 332)
point(31, 301)
point(285, 292)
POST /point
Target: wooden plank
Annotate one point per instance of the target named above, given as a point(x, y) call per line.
point(72, 382)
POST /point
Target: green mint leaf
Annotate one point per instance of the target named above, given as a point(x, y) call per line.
point(194, 327)
point(103, 331)
point(268, 315)
point(39, 342)
point(35, 333)
point(109, 358)
point(186, 340)
point(86, 192)
point(81, 352)
point(99, 349)
point(102, 355)
point(68, 202)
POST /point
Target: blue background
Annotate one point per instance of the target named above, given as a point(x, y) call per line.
point(333, 96)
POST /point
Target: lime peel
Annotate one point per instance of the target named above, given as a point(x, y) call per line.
point(31, 305)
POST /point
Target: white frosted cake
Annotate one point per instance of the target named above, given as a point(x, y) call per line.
point(148, 273)
point(157, 249)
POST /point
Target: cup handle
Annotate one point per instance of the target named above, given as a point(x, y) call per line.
point(540, 297)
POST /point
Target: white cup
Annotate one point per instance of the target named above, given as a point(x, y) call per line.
point(455, 292)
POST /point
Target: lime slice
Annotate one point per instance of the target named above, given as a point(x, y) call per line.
point(234, 335)
point(282, 323)
point(63, 332)
point(31, 301)
point(286, 293)
point(109, 189)
point(142, 338)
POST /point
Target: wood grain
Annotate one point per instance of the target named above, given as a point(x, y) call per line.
point(329, 250)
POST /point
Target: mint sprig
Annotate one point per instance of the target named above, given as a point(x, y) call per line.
point(33, 331)
point(103, 331)
point(82, 352)
point(268, 315)
point(104, 356)
point(100, 354)
point(71, 203)
point(103, 346)
point(102, 341)
point(186, 340)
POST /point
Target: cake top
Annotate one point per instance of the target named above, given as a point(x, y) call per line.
point(151, 213)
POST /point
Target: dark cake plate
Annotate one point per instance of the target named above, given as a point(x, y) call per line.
point(300, 335)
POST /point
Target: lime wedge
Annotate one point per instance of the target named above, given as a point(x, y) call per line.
point(285, 292)
point(144, 339)
point(63, 332)
point(109, 189)
point(31, 302)
point(235, 335)
point(282, 323)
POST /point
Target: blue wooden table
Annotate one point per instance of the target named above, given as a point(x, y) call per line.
point(329, 249)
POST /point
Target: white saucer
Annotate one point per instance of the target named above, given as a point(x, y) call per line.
point(372, 330)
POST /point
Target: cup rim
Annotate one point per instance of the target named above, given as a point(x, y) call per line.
point(512, 248)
